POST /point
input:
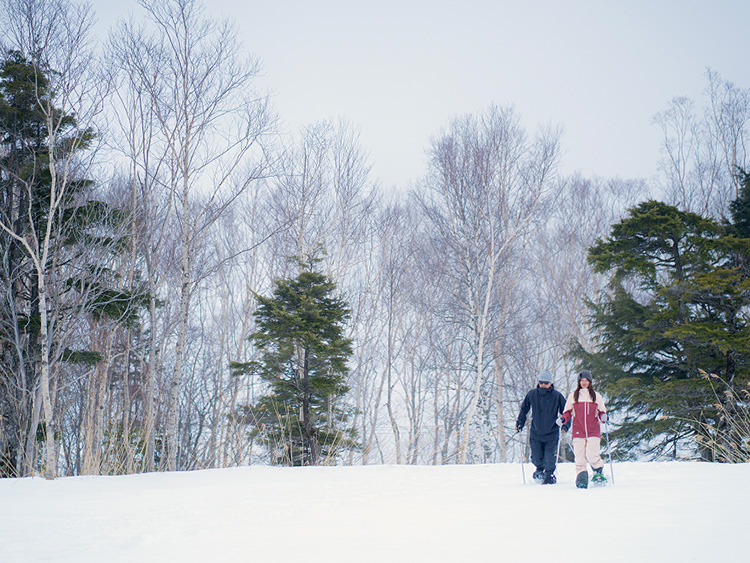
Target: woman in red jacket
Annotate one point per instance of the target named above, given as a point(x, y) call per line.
point(586, 407)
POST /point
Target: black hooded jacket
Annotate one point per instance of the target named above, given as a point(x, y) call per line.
point(546, 405)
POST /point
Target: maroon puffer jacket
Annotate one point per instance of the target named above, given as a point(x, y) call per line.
point(586, 414)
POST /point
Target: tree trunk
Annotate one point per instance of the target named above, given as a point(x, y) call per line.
point(30, 451)
point(312, 443)
point(149, 422)
point(480, 332)
point(500, 390)
point(50, 464)
point(174, 389)
point(389, 367)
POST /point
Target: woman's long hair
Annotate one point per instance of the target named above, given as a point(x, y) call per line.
point(591, 391)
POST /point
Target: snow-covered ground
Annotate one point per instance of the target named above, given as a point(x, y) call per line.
point(654, 512)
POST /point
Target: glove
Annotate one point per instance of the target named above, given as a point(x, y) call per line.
point(560, 420)
point(519, 427)
point(604, 417)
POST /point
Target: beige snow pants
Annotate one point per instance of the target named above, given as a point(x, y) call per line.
point(587, 450)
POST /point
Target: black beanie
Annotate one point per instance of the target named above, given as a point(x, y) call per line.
point(585, 374)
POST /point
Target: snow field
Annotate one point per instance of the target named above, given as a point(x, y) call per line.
point(678, 511)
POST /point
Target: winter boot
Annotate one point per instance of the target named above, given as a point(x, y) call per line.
point(582, 480)
point(598, 477)
point(549, 479)
point(539, 475)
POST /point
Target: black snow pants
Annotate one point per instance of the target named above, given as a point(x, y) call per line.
point(544, 453)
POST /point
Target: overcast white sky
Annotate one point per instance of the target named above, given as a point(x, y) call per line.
point(400, 69)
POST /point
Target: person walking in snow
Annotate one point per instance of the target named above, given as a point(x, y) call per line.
point(546, 403)
point(586, 409)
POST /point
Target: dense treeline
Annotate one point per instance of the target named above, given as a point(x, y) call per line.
point(154, 220)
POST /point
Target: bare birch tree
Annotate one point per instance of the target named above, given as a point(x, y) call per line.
point(485, 182)
point(323, 196)
point(151, 202)
point(701, 152)
point(387, 331)
point(729, 127)
point(199, 88)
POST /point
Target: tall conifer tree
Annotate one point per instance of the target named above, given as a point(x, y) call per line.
point(303, 358)
point(676, 309)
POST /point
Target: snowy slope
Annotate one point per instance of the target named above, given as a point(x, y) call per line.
point(654, 512)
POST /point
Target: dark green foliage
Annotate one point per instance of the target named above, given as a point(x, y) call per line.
point(24, 126)
point(82, 236)
point(677, 304)
point(740, 208)
point(81, 357)
point(81, 223)
point(303, 359)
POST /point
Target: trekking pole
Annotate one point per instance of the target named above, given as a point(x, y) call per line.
point(609, 452)
point(523, 473)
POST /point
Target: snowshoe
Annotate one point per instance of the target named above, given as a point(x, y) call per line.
point(549, 479)
point(582, 480)
point(539, 475)
point(598, 478)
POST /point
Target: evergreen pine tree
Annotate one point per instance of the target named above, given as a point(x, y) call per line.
point(676, 309)
point(303, 359)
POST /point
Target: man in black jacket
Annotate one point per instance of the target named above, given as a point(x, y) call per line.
point(546, 404)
